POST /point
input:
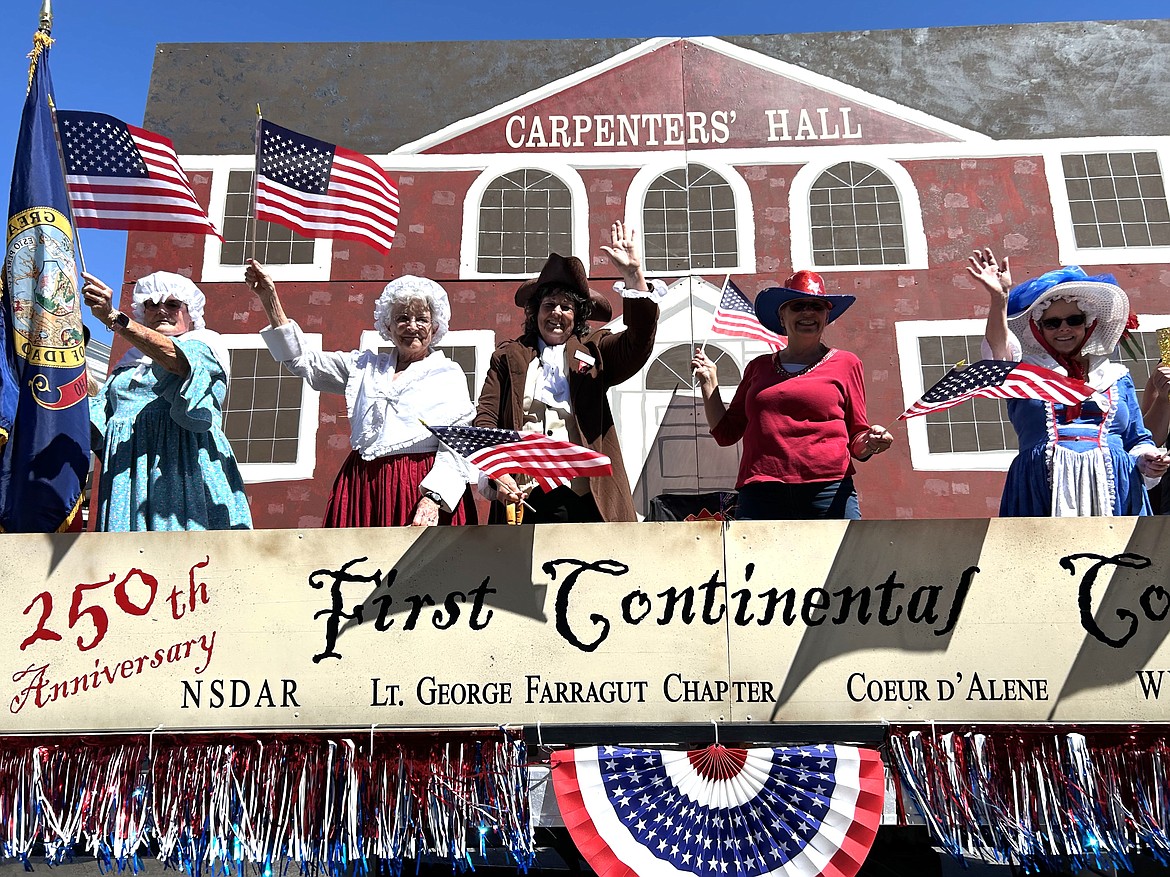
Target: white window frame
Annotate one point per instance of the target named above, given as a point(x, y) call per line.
point(908, 332)
point(1066, 242)
point(482, 340)
point(216, 272)
point(800, 222)
point(303, 467)
point(578, 211)
point(745, 218)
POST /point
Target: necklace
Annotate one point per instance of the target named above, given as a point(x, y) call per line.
point(784, 374)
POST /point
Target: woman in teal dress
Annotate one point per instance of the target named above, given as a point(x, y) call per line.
point(158, 422)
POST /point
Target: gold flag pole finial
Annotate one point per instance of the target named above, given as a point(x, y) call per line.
point(41, 39)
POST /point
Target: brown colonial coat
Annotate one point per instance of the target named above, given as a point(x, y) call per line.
point(618, 357)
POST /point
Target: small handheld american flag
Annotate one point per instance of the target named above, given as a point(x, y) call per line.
point(735, 316)
point(504, 451)
point(997, 379)
point(127, 178)
point(321, 190)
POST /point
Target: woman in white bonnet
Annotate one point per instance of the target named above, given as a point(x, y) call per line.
point(396, 473)
point(158, 422)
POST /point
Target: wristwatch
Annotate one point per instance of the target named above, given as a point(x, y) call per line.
point(118, 320)
point(434, 496)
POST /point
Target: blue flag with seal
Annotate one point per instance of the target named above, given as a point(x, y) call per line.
point(44, 462)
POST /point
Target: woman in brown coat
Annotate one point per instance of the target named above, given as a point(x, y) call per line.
point(555, 377)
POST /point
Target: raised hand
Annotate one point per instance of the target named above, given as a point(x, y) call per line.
point(996, 277)
point(258, 280)
point(98, 296)
point(624, 252)
point(261, 283)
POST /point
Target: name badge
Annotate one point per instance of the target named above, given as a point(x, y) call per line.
point(584, 357)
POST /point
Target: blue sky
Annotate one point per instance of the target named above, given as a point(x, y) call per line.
point(103, 57)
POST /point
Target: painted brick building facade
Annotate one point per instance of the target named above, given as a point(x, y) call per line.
point(880, 160)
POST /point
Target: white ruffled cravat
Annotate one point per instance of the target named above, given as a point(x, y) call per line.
point(553, 386)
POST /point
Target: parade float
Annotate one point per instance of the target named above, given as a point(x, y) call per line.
point(696, 696)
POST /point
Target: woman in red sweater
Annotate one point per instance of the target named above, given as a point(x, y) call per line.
point(800, 411)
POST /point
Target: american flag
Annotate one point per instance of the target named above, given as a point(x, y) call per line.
point(504, 451)
point(123, 177)
point(736, 316)
point(321, 190)
point(996, 379)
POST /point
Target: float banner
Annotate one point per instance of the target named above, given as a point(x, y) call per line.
point(1026, 620)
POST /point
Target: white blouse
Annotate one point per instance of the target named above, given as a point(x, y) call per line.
point(386, 414)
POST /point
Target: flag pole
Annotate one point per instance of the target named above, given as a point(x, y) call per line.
point(42, 41)
point(65, 178)
point(251, 243)
point(722, 290)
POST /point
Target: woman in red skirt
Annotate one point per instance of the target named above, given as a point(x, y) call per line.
point(396, 474)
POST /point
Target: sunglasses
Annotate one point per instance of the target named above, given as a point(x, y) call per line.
point(1053, 323)
point(169, 305)
point(801, 305)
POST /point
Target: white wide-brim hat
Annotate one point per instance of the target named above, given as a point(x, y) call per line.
point(1104, 304)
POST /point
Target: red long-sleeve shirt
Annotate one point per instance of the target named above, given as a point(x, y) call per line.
point(796, 429)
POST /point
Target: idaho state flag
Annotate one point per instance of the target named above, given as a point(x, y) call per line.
point(42, 397)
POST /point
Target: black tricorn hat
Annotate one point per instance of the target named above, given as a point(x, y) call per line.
point(566, 272)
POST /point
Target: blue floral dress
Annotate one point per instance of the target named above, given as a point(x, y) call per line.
point(166, 463)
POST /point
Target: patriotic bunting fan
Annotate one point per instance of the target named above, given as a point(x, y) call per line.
point(795, 812)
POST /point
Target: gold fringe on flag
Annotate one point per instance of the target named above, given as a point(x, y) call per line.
point(41, 41)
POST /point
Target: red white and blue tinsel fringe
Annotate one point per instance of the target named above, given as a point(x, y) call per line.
point(324, 805)
point(1040, 799)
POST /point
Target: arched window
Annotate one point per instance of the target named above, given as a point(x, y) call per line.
point(688, 221)
point(856, 217)
point(523, 216)
point(672, 369)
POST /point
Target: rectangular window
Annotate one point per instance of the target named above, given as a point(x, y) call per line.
point(1116, 206)
point(275, 244)
point(270, 415)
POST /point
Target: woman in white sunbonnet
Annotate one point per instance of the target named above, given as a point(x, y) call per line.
point(397, 474)
point(158, 421)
